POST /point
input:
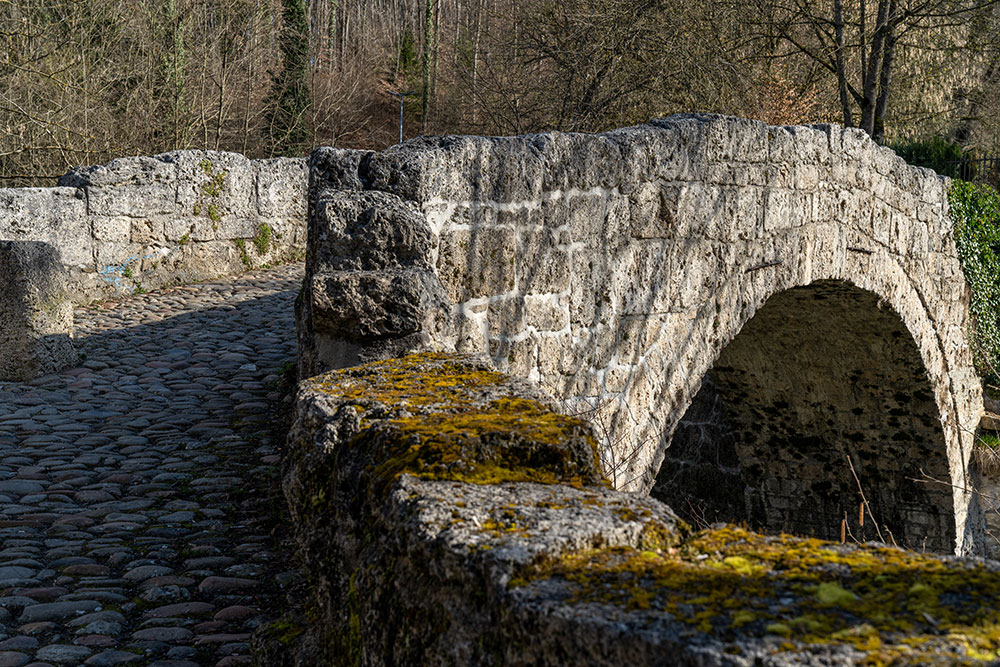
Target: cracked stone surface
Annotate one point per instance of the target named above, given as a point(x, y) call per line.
point(135, 488)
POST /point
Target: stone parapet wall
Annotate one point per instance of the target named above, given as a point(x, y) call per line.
point(144, 222)
point(446, 515)
point(614, 269)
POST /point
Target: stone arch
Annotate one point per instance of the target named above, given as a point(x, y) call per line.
point(820, 373)
point(613, 269)
point(679, 362)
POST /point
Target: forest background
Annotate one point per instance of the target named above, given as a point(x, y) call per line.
point(84, 81)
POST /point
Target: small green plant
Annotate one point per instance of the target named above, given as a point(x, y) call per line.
point(241, 245)
point(185, 239)
point(127, 272)
point(262, 239)
point(211, 190)
point(139, 289)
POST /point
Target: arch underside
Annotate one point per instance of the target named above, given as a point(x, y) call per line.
point(823, 378)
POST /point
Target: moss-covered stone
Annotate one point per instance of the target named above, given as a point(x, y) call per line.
point(440, 416)
point(892, 605)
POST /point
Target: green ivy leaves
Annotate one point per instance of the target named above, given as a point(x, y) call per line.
point(975, 210)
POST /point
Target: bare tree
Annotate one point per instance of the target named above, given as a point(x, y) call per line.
point(858, 41)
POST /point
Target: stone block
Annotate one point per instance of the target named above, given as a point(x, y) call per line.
point(282, 187)
point(368, 231)
point(781, 145)
point(36, 316)
point(506, 317)
point(653, 211)
point(175, 229)
point(542, 266)
point(365, 306)
point(134, 200)
point(214, 185)
point(125, 171)
point(115, 229)
point(584, 213)
point(147, 232)
point(57, 216)
point(779, 209)
point(335, 168)
point(548, 312)
point(477, 262)
point(230, 228)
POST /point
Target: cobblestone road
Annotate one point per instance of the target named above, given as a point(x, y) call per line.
point(134, 490)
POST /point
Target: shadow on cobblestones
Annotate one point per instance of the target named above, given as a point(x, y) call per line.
point(138, 510)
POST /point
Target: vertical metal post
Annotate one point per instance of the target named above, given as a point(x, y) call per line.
point(401, 96)
point(400, 119)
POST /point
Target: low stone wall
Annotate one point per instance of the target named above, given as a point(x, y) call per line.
point(36, 316)
point(446, 515)
point(144, 222)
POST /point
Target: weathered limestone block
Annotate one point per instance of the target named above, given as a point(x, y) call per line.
point(478, 263)
point(361, 306)
point(369, 231)
point(370, 289)
point(36, 316)
point(282, 186)
point(337, 168)
point(54, 215)
point(135, 187)
point(214, 184)
point(445, 515)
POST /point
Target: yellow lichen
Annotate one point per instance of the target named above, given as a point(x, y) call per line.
point(446, 431)
point(891, 604)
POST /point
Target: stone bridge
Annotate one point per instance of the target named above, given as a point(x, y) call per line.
point(802, 282)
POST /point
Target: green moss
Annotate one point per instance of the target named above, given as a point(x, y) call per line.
point(241, 246)
point(185, 239)
point(891, 604)
point(989, 440)
point(216, 179)
point(353, 638)
point(403, 382)
point(284, 631)
point(262, 239)
point(210, 190)
point(452, 435)
point(831, 593)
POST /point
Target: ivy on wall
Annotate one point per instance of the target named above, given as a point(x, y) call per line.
point(975, 211)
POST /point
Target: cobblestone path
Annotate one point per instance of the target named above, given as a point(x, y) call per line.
point(135, 490)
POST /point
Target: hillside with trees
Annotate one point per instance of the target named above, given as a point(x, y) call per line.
point(84, 81)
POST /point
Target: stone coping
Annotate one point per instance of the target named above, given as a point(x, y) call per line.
point(445, 514)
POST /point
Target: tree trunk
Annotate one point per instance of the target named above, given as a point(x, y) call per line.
point(870, 86)
point(838, 24)
point(475, 63)
point(425, 93)
point(885, 75)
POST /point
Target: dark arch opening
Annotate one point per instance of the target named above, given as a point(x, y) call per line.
point(821, 374)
